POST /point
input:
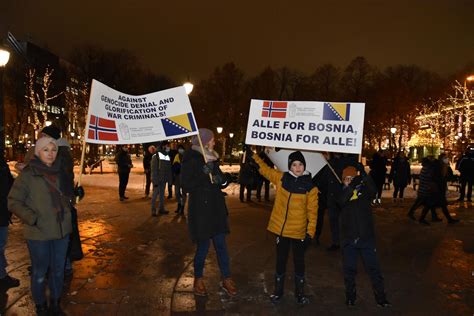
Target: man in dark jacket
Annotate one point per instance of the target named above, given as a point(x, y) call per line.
point(321, 181)
point(466, 168)
point(124, 165)
point(147, 167)
point(358, 233)
point(262, 181)
point(6, 182)
point(161, 174)
point(378, 172)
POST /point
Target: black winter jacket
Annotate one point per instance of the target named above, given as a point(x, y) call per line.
point(207, 215)
point(6, 182)
point(355, 218)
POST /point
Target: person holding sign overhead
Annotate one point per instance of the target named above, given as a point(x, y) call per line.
point(293, 219)
point(202, 178)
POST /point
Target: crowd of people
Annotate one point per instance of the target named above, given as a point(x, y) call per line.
point(43, 197)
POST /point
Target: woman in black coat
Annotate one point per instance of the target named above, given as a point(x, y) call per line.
point(400, 175)
point(207, 211)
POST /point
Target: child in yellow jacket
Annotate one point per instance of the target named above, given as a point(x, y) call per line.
point(293, 219)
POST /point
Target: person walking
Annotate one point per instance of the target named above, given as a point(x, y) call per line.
point(151, 150)
point(124, 165)
point(378, 172)
point(38, 197)
point(293, 219)
point(358, 233)
point(176, 167)
point(6, 182)
point(248, 177)
point(400, 174)
point(207, 210)
point(466, 169)
point(161, 174)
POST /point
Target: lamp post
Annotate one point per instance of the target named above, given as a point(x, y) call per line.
point(231, 136)
point(433, 135)
point(392, 137)
point(219, 131)
point(4, 57)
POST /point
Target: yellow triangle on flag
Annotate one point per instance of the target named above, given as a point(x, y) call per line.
point(340, 108)
point(182, 120)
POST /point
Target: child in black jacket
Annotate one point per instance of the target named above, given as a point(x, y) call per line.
point(358, 234)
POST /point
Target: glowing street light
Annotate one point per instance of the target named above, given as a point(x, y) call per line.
point(219, 130)
point(231, 135)
point(188, 86)
point(48, 123)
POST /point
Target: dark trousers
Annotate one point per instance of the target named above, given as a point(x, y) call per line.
point(47, 254)
point(123, 181)
point(466, 182)
point(202, 249)
point(249, 192)
point(379, 185)
point(444, 208)
point(351, 250)
point(282, 252)
point(397, 190)
point(267, 189)
point(421, 200)
point(334, 224)
point(148, 183)
point(319, 222)
point(170, 189)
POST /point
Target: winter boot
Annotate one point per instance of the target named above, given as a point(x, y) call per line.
point(301, 299)
point(42, 310)
point(279, 286)
point(351, 296)
point(229, 287)
point(381, 299)
point(199, 287)
point(55, 308)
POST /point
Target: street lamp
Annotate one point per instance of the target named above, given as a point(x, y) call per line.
point(188, 86)
point(433, 135)
point(4, 57)
point(219, 131)
point(48, 123)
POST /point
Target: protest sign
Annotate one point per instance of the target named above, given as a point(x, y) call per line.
point(118, 118)
point(321, 126)
point(314, 161)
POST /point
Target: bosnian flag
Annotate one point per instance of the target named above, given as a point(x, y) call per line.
point(102, 129)
point(274, 109)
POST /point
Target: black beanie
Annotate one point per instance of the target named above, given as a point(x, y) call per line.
point(52, 131)
point(296, 156)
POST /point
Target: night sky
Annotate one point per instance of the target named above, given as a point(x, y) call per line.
point(191, 38)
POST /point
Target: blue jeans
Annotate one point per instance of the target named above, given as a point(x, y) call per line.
point(46, 254)
point(351, 250)
point(222, 256)
point(158, 189)
point(3, 243)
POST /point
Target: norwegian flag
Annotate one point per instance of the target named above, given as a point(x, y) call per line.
point(274, 109)
point(102, 129)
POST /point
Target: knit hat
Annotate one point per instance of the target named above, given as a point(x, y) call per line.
point(206, 136)
point(52, 131)
point(43, 142)
point(349, 172)
point(296, 156)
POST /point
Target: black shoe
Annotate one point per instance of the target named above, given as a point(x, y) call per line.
point(122, 198)
point(301, 299)
point(9, 281)
point(350, 302)
point(383, 303)
point(333, 247)
point(163, 212)
point(42, 310)
point(55, 308)
point(436, 219)
point(424, 222)
point(453, 221)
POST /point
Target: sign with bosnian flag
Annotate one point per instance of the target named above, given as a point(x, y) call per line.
point(118, 118)
point(317, 126)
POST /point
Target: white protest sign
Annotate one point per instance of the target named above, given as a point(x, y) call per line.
point(322, 126)
point(314, 161)
point(118, 118)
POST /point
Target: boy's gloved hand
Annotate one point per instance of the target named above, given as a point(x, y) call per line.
point(248, 151)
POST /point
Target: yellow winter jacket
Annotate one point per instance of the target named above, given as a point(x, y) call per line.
point(293, 214)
